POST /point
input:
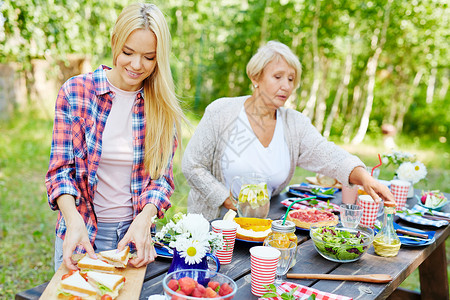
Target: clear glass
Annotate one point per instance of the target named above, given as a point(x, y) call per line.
point(386, 242)
point(288, 251)
point(350, 215)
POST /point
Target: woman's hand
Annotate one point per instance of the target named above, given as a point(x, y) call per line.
point(230, 204)
point(76, 232)
point(371, 186)
point(140, 234)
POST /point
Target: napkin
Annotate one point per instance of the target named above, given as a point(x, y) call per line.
point(303, 293)
point(305, 204)
point(422, 221)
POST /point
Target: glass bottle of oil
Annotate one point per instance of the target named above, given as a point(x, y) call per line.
point(386, 242)
point(285, 232)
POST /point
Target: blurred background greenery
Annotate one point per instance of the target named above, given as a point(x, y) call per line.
point(365, 64)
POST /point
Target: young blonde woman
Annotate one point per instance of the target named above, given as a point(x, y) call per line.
point(114, 137)
point(256, 134)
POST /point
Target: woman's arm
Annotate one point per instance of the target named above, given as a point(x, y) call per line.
point(198, 161)
point(140, 234)
point(153, 200)
point(372, 186)
point(76, 233)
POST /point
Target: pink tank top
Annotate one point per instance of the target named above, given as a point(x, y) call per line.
point(112, 200)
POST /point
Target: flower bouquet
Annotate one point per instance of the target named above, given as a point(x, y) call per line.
point(189, 235)
point(408, 168)
point(412, 172)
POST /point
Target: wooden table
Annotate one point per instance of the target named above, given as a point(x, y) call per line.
point(431, 261)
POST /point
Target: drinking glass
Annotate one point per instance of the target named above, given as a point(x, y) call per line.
point(288, 250)
point(350, 215)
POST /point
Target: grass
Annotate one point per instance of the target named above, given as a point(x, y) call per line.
point(27, 223)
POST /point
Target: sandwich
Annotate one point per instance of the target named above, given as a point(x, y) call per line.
point(117, 259)
point(89, 264)
point(76, 285)
point(106, 284)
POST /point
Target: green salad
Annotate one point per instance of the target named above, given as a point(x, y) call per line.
point(339, 244)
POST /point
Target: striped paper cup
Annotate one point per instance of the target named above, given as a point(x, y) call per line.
point(228, 231)
point(264, 261)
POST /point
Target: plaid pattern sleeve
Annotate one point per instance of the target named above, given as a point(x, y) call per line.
point(82, 107)
point(158, 191)
point(60, 177)
point(303, 293)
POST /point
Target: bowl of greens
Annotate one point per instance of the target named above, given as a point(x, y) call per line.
point(339, 243)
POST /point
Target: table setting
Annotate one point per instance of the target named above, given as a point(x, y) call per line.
point(299, 246)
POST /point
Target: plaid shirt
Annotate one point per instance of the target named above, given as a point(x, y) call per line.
point(82, 108)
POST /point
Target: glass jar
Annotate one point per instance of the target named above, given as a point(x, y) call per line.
point(286, 233)
point(386, 242)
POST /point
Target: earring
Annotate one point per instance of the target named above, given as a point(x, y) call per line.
point(255, 86)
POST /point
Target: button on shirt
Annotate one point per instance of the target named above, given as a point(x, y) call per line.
point(82, 109)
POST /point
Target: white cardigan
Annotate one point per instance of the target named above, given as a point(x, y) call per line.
point(201, 164)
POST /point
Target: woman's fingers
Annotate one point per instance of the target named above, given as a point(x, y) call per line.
point(145, 253)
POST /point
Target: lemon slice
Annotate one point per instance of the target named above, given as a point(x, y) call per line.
point(229, 216)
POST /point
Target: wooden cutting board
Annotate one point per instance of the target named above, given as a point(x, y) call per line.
point(134, 277)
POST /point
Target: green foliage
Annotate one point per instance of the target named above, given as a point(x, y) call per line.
point(55, 28)
point(213, 41)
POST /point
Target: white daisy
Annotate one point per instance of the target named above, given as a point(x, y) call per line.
point(413, 172)
point(192, 251)
point(195, 224)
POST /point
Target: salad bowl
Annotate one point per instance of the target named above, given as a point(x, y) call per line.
point(339, 243)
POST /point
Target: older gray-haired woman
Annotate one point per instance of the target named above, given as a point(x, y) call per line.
point(257, 134)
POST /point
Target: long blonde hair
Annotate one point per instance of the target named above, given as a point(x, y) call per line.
point(162, 108)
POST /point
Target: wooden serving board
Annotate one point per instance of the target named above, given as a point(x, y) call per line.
point(131, 290)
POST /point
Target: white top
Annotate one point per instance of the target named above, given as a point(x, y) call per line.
point(112, 200)
point(245, 154)
point(202, 159)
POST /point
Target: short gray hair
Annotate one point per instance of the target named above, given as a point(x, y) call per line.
point(266, 54)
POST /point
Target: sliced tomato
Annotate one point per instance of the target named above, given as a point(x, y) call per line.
point(65, 276)
point(84, 275)
point(106, 297)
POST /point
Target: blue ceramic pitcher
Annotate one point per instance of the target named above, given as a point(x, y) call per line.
point(178, 262)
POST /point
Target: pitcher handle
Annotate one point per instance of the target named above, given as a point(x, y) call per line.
point(235, 178)
point(216, 260)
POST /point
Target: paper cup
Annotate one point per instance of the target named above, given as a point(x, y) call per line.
point(400, 188)
point(349, 194)
point(264, 261)
point(228, 231)
point(370, 210)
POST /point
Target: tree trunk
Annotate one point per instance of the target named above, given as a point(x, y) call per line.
point(409, 99)
point(322, 94)
point(264, 23)
point(371, 72)
point(309, 109)
point(342, 86)
point(348, 127)
point(431, 83)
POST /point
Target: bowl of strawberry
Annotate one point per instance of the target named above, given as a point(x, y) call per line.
point(192, 284)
